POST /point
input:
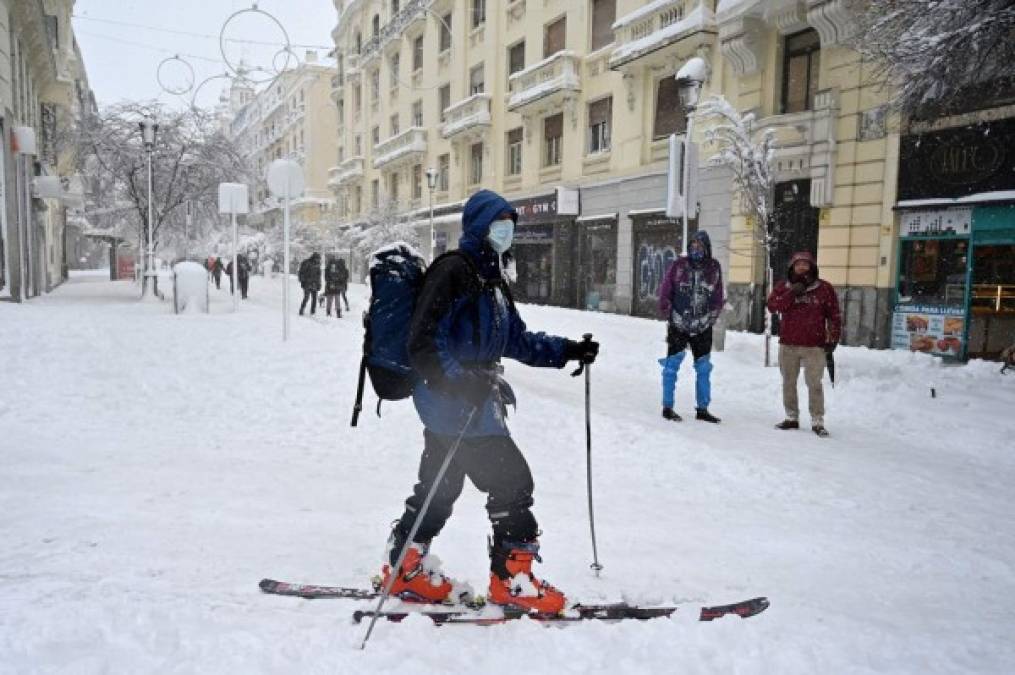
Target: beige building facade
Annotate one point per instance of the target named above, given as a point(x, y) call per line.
point(43, 93)
point(565, 107)
point(291, 118)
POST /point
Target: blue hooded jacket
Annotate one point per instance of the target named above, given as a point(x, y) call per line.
point(466, 321)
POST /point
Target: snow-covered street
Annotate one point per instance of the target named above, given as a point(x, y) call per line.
point(156, 467)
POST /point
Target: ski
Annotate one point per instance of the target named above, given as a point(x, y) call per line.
point(493, 615)
point(312, 591)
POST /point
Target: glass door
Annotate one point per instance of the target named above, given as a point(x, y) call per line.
point(992, 301)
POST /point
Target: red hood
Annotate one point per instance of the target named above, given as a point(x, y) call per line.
point(802, 255)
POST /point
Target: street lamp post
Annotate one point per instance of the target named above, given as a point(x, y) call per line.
point(431, 182)
point(690, 78)
point(149, 128)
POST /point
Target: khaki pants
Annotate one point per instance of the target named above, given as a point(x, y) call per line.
point(812, 359)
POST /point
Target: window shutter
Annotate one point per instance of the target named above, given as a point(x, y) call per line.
point(554, 38)
point(604, 13)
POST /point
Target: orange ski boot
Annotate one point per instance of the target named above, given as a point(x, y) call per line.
point(512, 583)
point(421, 579)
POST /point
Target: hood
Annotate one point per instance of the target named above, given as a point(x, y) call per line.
point(702, 237)
point(802, 255)
point(479, 212)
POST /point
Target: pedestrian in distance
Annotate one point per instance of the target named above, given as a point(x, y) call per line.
point(809, 328)
point(336, 278)
point(343, 283)
point(464, 322)
point(691, 298)
point(216, 272)
point(310, 280)
point(242, 277)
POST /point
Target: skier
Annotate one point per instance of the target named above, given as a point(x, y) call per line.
point(336, 278)
point(809, 328)
point(310, 280)
point(691, 297)
point(463, 324)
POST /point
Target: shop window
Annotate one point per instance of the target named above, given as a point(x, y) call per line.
point(516, 58)
point(600, 113)
point(514, 152)
point(443, 172)
point(554, 37)
point(476, 80)
point(444, 99)
point(478, 13)
point(444, 41)
point(604, 13)
point(800, 66)
point(670, 117)
point(476, 164)
point(553, 139)
point(933, 272)
point(417, 54)
point(417, 113)
point(994, 279)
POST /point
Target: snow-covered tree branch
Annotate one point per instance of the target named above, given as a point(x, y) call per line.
point(934, 53)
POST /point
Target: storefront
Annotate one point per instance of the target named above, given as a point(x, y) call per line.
point(597, 262)
point(955, 291)
point(545, 251)
point(657, 242)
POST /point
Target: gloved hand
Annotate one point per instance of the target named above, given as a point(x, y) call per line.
point(830, 347)
point(799, 288)
point(583, 352)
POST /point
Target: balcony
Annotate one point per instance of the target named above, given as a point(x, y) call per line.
point(660, 34)
point(467, 117)
point(404, 148)
point(349, 171)
point(545, 84)
point(805, 145)
point(412, 16)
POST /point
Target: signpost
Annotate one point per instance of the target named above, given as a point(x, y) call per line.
point(234, 200)
point(285, 181)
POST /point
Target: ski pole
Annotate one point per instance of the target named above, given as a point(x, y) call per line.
point(586, 338)
point(415, 527)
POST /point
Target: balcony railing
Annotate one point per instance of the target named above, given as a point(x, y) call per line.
point(349, 171)
point(466, 115)
point(394, 29)
point(545, 82)
point(660, 31)
point(401, 147)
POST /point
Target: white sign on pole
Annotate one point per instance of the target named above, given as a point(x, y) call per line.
point(233, 198)
point(675, 177)
point(567, 201)
point(285, 180)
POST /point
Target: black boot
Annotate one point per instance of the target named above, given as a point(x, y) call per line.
point(820, 430)
point(705, 416)
point(669, 414)
point(788, 424)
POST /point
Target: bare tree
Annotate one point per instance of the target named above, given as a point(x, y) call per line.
point(935, 53)
point(190, 159)
point(750, 162)
point(383, 225)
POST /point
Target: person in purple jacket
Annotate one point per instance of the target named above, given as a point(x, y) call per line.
point(690, 298)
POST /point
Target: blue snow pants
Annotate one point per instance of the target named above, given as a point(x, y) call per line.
point(701, 348)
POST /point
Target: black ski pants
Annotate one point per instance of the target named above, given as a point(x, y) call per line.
point(677, 341)
point(309, 295)
point(495, 466)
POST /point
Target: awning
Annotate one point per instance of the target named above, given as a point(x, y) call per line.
point(645, 212)
point(978, 198)
point(596, 217)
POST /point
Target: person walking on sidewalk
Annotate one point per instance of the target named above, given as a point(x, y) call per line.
point(242, 277)
point(336, 278)
point(463, 324)
point(691, 298)
point(216, 272)
point(810, 326)
point(310, 280)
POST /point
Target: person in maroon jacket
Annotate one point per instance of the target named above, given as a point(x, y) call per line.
point(809, 328)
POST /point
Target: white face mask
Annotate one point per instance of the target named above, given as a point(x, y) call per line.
point(501, 234)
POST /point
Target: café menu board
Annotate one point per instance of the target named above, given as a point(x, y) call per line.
point(929, 329)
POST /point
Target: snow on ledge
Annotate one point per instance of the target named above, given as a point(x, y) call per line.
point(978, 198)
point(698, 19)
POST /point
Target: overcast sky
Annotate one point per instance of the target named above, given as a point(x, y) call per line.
point(122, 60)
